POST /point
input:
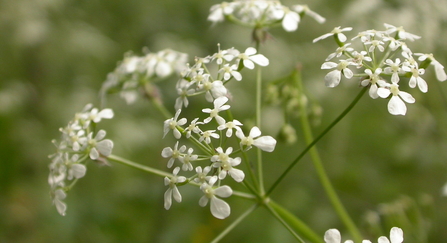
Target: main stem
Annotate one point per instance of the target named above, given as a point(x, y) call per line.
point(301, 155)
point(258, 122)
point(322, 175)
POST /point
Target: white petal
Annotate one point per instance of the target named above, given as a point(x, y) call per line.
point(176, 194)
point(322, 37)
point(77, 171)
point(167, 152)
point(396, 106)
point(61, 207)
point(333, 78)
point(440, 73)
point(396, 235)
point(250, 51)
point(332, 236)
point(106, 113)
point(100, 135)
point(255, 132)
point(383, 239)
point(237, 175)
point(163, 69)
point(348, 73)
point(383, 93)
point(265, 143)
point(290, 21)
point(94, 155)
point(406, 97)
point(219, 208)
point(329, 65)
point(203, 201)
point(105, 147)
point(220, 102)
point(341, 37)
point(373, 91)
point(422, 85)
point(168, 198)
point(248, 64)
point(260, 59)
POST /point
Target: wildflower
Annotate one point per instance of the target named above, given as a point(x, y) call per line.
point(395, 106)
point(172, 154)
point(375, 44)
point(401, 33)
point(307, 11)
point(340, 51)
point(183, 90)
point(394, 69)
point(99, 145)
point(439, 68)
point(230, 71)
point(333, 78)
point(221, 55)
point(290, 20)
point(171, 124)
point(213, 89)
point(193, 127)
point(207, 135)
point(336, 31)
point(230, 126)
point(58, 196)
point(219, 105)
point(265, 143)
point(219, 208)
point(202, 175)
point(373, 80)
point(173, 191)
point(249, 57)
point(187, 158)
point(96, 116)
point(225, 162)
point(416, 78)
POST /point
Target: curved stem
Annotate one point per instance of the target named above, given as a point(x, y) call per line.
point(322, 175)
point(298, 158)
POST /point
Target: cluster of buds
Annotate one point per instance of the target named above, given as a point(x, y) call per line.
point(260, 14)
point(385, 59)
point(211, 134)
point(136, 72)
point(79, 143)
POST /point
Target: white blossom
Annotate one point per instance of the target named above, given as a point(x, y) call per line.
point(395, 106)
point(99, 146)
point(171, 124)
point(223, 161)
point(401, 33)
point(265, 143)
point(219, 208)
point(333, 78)
point(187, 158)
point(173, 191)
point(396, 236)
point(207, 135)
point(336, 31)
point(58, 196)
point(202, 175)
point(230, 126)
point(307, 11)
point(249, 58)
point(219, 105)
point(173, 154)
point(374, 81)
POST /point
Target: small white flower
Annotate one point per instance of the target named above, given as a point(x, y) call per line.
point(340, 51)
point(207, 135)
point(193, 127)
point(223, 161)
point(99, 145)
point(336, 31)
point(226, 55)
point(290, 20)
point(96, 116)
point(375, 44)
point(58, 196)
point(249, 58)
point(265, 143)
point(219, 208)
point(401, 33)
point(395, 106)
point(307, 11)
point(359, 57)
point(202, 175)
point(396, 236)
point(439, 68)
point(173, 191)
point(171, 124)
point(230, 71)
point(394, 69)
point(374, 80)
point(333, 78)
point(183, 91)
point(230, 126)
point(173, 154)
point(187, 158)
point(219, 105)
point(213, 89)
point(416, 78)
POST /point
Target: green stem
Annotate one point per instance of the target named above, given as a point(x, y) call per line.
point(292, 223)
point(235, 223)
point(138, 166)
point(298, 158)
point(322, 175)
point(258, 123)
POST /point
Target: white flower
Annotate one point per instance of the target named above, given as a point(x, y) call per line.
point(213, 89)
point(187, 158)
point(416, 78)
point(439, 68)
point(99, 145)
point(171, 124)
point(333, 78)
point(394, 69)
point(374, 79)
point(193, 127)
point(202, 175)
point(226, 55)
point(230, 71)
point(219, 105)
point(96, 116)
point(207, 135)
point(230, 126)
point(265, 143)
point(340, 51)
point(375, 44)
point(359, 57)
point(401, 33)
point(173, 154)
point(395, 106)
point(218, 11)
point(396, 236)
point(58, 196)
point(304, 8)
point(219, 208)
point(173, 191)
point(183, 91)
point(249, 58)
point(336, 31)
point(225, 163)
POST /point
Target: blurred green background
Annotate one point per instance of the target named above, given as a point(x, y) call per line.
point(55, 54)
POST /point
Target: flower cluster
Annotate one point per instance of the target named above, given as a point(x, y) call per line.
point(262, 14)
point(134, 72)
point(385, 60)
point(211, 133)
point(79, 143)
point(396, 236)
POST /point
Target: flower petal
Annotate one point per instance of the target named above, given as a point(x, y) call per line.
point(219, 208)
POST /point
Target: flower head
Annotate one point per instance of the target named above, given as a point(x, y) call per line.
point(265, 143)
point(219, 208)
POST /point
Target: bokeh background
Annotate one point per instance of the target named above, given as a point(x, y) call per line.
point(55, 54)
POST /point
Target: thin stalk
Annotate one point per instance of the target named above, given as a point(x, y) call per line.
point(235, 223)
point(258, 123)
point(322, 175)
point(298, 158)
point(138, 166)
